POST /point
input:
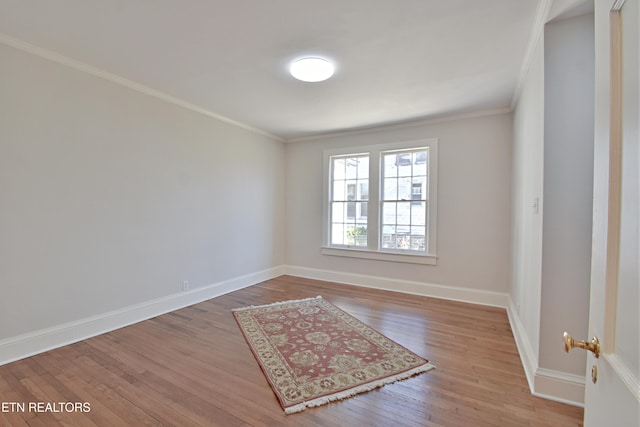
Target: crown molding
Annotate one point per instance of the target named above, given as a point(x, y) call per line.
point(402, 125)
point(97, 72)
point(542, 15)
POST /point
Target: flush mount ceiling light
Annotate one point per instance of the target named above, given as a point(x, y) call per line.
point(311, 69)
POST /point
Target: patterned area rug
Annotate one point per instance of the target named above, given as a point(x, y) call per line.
point(313, 353)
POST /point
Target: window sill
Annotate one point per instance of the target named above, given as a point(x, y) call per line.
point(381, 256)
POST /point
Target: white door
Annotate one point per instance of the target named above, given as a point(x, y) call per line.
point(614, 400)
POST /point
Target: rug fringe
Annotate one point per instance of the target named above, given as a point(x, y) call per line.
point(359, 389)
point(276, 303)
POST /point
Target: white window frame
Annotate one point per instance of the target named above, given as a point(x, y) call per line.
point(373, 249)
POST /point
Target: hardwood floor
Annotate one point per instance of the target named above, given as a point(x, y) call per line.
point(193, 367)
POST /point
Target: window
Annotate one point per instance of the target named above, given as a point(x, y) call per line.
point(380, 202)
point(404, 215)
point(348, 205)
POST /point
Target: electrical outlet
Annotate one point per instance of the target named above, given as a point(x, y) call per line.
point(185, 285)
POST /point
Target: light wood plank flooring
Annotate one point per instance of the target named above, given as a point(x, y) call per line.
point(192, 367)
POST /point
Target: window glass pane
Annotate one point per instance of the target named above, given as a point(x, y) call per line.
point(419, 170)
point(351, 210)
point(352, 168)
point(390, 189)
point(337, 234)
point(339, 192)
point(337, 212)
point(363, 187)
point(389, 165)
point(389, 236)
point(404, 188)
point(351, 190)
point(389, 213)
point(418, 186)
point(403, 239)
point(403, 159)
point(357, 235)
point(420, 157)
point(418, 239)
point(404, 170)
point(418, 213)
point(364, 210)
point(417, 231)
point(338, 168)
point(363, 167)
point(420, 163)
point(404, 164)
point(361, 213)
point(416, 191)
point(403, 213)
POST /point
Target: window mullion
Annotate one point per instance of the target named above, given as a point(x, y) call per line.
point(373, 221)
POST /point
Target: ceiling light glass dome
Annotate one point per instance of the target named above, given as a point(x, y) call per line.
point(312, 69)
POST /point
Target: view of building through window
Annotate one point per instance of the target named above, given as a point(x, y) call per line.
point(349, 200)
point(403, 205)
point(404, 200)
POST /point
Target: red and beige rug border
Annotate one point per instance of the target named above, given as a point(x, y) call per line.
point(350, 392)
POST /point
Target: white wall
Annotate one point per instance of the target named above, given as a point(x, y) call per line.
point(111, 197)
point(474, 196)
point(528, 147)
point(552, 164)
point(568, 189)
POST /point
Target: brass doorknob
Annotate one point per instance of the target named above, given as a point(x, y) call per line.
point(593, 345)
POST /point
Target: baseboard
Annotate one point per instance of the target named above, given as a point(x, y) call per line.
point(545, 383)
point(19, 347)
point(528, 357)
point(560, 387)
point(474, 296)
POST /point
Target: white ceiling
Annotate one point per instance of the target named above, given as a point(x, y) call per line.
point(397, 60)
